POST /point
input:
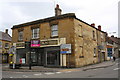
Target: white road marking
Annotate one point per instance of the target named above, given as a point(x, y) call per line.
point(25, 76)
point(18, 72)
point(68, 71)
point(49, 73)
point(58, 72)
point(95, 69)
point(116, 68)
point(38, 74)
point(11, 77)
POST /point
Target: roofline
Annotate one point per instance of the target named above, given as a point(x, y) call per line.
point(91, 26)
point(68, 15)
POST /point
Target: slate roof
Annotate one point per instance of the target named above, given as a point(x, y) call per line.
point(113, 40)
point(5, 37)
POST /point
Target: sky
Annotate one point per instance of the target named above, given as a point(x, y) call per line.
point(100, 12)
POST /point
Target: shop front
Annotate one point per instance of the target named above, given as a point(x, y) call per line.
point(43, 53)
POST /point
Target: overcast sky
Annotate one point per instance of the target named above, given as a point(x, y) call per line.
point(100, 12)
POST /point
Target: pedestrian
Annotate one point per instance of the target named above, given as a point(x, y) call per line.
point(114, 58)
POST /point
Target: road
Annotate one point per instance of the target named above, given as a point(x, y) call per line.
point(108, 72)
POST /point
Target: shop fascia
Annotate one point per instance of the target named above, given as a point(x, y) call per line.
point(42, 43)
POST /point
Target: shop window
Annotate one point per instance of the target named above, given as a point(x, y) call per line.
point(33, 57)
point(20, 35)
point(35, 33)
point(54, 30)
point(6, 45)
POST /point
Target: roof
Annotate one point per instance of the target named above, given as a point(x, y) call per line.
point(5, 37)
point(113, 39)
point(45, 20)
point(68, 15)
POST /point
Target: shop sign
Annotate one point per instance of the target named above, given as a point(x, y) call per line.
point(20, 45)
point(49, 42)
point(35, 43)
point(65, 48)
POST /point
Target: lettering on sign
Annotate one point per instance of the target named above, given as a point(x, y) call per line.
point(20, 45)
point(35, 43)
point(50, 42)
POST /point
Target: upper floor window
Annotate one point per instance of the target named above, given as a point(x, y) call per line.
point(20, 35)
point(94, 35)
point(0, 44)
point(54, 30)
point(6, 45)
point(35, 33)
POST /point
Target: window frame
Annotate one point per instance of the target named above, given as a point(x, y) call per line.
point(54, 30)
point(95, 52)
point(93, 35)
point(20, 35)
point(7, 45)
point(35, 35)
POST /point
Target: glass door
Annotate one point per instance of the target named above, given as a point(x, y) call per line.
point(52, 57)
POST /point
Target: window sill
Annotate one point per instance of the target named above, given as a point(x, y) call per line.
point(20, 40)
point(35, 38)
point(54, 37)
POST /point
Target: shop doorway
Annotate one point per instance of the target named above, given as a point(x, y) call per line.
point(53, 58)
point(40, 57)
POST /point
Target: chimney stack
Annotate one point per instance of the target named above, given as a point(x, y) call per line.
point(6, 31)
point(99, 27)
point(93, 24)
point(57, 10)
point(112, 35)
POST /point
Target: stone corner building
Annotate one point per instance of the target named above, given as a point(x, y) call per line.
point(87, 42)
point(5, 45)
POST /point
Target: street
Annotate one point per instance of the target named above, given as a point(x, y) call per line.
point(108, 72)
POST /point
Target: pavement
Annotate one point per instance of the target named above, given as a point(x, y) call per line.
point(5, 67)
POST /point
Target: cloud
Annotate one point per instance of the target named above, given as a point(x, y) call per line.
point(100, 12)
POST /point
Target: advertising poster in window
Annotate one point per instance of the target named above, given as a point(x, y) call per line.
point(35, 43)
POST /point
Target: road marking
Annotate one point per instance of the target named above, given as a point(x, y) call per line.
point(25, 76)
point(11, 77)
point(49, 73)
point(95, 69)
point(38, 74)
point(18, 72)
point(58, 72)
point(116, 68)
point(68, 71)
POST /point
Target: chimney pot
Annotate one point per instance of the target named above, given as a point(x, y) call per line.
point(112, 36)
point(99, 27)
point(57, 6)
point(6, 31)
point(93, 24)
